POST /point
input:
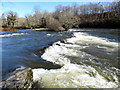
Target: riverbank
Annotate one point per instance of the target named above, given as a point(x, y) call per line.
point(108, 24)
point(36, 29)
point(86, 25)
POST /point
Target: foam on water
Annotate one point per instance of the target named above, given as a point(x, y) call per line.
point(85, 38)
point(48, 34)
point(56, 54)
point(73, 75)
point(14, 34)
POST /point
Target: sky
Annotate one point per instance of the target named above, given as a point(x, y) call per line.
point(59, 0)
point(24, 8)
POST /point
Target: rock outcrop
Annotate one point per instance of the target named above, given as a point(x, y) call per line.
point(20, 78)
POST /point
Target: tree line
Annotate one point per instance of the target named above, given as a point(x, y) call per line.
point(93, 15)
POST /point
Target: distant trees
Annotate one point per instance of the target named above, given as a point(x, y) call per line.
point(42, 19)
point(65, 17)
point(9, 19)
point(29, 21)
point(116, 8)
point(99, 15)
point(53, 24)
point(36, 20)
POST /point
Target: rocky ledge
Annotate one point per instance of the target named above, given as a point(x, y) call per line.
point(20, 78)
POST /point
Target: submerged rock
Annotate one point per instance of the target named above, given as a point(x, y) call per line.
point(20, 78)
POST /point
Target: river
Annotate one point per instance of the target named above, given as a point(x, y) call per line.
point(83, 58)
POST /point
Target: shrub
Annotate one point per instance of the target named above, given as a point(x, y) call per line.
point(53, 24)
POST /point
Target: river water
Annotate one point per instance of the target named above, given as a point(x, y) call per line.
point(83, 58)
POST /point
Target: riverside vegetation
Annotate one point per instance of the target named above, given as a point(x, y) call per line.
point(93, 15)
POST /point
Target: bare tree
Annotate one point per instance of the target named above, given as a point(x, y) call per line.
point(9, 18)
point(53, 24)
point(28, 21)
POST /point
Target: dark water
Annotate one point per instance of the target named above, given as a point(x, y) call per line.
point(19, 47)
point(93, 48)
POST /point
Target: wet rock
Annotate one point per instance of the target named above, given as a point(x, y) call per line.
point(21, 78)
point(58, 44)
point(63, 41)
point(40, 51)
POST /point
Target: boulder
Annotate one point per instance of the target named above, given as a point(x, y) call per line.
point(20, 78)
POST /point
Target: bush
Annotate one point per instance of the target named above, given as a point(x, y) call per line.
point(53, 24)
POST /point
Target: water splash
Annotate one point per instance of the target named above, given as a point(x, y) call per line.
point(72, 76)
point(80, 68)
point(14, 34)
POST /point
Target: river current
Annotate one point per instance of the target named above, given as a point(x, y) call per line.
point(80, 58)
